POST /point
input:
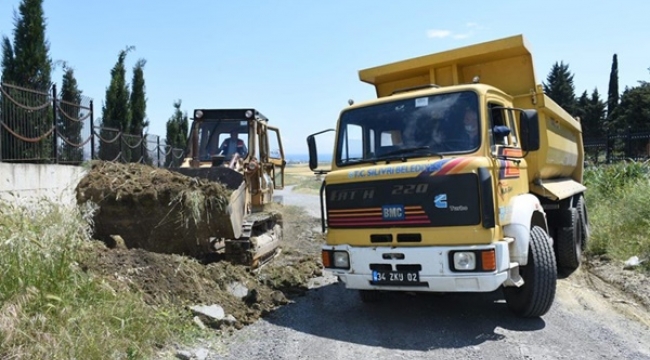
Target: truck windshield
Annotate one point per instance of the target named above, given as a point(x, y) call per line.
point(416, 127)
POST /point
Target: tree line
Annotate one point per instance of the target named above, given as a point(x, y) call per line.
point(26, 62)
point(600, 116)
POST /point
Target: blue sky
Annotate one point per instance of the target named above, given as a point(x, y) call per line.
point(297, 61)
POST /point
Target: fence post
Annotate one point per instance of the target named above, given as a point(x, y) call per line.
point(121, 157)
point(55, 131)
point(158, 150)
point(1, 122)
point(92, 131)
point(143, 147)
point(608, 150)
point(628, 142)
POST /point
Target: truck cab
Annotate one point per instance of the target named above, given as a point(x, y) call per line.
point(457, 178)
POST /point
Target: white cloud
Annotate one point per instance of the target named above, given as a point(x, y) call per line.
point(438, 33)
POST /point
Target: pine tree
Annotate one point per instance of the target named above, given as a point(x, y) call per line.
point(27, 63)
point(593, 124)
point(69, 126)
point(115, 111)
point(560, 88)
point(612, 95)
point(176, 137)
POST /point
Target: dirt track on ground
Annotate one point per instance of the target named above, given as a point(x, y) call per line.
point(138, 194)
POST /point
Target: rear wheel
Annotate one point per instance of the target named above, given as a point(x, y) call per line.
point(535, 297)
point(369, 296)
point(569, 245)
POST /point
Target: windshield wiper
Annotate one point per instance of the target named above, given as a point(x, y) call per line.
point(408, 150)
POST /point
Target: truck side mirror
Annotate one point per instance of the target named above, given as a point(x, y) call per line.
point(313, 153)
point(529, 125)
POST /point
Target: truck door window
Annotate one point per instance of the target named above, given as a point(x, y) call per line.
point(352, 146)
point(513, 130)
point(497, 116)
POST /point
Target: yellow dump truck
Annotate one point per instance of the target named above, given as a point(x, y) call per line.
point(462, 176)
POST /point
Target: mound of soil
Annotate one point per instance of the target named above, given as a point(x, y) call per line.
point(165, 279)
point(155, 209)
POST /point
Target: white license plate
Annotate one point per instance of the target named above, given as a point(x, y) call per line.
point(395, 277)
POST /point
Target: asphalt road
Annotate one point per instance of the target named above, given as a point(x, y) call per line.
point(589, 320)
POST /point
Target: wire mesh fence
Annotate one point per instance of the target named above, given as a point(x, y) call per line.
point(41, 126)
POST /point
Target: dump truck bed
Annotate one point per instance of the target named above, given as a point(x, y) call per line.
point(507, 65)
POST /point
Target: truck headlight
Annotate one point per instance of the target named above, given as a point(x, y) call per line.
point(464, 260)
point(336, 259)
point(341, 259)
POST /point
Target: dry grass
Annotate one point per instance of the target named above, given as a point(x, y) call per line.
point(50, 308)
point(303, 179)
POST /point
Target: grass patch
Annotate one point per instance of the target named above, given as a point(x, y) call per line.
point(618, 199)
point(303, 179)
point(51, 308)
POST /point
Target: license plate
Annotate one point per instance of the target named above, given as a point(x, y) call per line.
point(395, 278)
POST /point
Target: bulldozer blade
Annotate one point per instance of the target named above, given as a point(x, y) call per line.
point(230, 178)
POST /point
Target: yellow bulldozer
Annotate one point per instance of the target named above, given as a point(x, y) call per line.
point(215, 202)
point(239, 149)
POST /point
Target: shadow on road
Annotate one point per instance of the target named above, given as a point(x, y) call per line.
point(402, 321)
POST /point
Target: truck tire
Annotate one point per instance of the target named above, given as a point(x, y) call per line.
point(568, 245)
point(369, 296)
point(581, 205)
point(535, 297)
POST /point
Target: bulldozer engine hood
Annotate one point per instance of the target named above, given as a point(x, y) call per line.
point(438, 193)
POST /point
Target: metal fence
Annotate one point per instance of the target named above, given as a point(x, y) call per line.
point(40, 127)
point(613, 148)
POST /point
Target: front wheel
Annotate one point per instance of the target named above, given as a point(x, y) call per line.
point(535, 297)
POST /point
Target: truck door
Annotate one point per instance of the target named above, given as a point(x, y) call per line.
point(510, 167)
point(276, 156)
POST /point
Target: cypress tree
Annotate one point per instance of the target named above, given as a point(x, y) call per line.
point(69, 126)
point(612, 94)
point(27, 63)
point(115, 111)
point(177, 132)
point(138, 107)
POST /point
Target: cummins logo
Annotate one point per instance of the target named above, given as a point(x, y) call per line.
point(440, 201)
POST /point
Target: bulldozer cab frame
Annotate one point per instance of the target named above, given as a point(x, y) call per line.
point(259, 156)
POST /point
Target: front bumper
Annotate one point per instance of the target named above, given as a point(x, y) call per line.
point(435, 274)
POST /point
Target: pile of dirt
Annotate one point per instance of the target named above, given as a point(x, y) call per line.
point(165, 279)
point(155, 209)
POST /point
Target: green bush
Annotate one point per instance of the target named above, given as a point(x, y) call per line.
point(618, 199)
